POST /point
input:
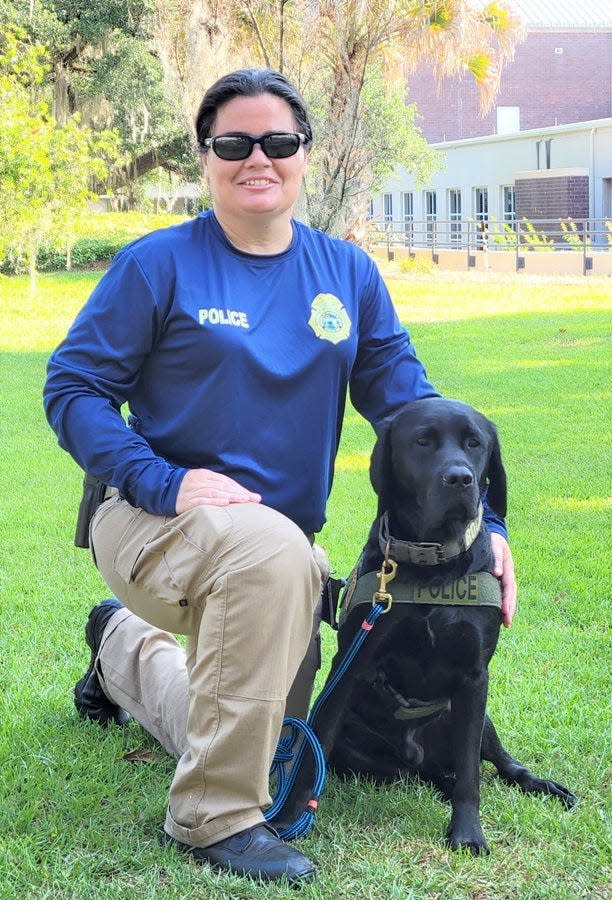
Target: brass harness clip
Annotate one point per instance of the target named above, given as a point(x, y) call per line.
point(386, 574)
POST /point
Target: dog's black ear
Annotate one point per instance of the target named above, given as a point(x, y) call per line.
point(497, 493)
point(381, 466)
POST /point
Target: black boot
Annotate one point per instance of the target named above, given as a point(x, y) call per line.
point(89, 698)
point(257, 852)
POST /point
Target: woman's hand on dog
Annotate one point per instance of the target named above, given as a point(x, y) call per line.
point(503, 567)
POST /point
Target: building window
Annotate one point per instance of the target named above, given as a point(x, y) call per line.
point(454, 215)
point(370, 210)
point(509, 204)
point(481, 214)
point(387, 207)
point(408, 215)
point(431, 214)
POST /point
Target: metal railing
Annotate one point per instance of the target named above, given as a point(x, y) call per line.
point(520, 237)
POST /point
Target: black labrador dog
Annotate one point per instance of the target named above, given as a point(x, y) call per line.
point(413, 701)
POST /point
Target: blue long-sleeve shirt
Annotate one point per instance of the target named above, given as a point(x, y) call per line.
point(231, 362)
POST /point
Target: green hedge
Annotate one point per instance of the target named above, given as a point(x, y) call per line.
point(99, 236)
point(86, 251)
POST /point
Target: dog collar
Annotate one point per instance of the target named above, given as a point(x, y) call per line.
point(425, 553)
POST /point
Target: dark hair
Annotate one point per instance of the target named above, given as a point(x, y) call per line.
point(250, 83)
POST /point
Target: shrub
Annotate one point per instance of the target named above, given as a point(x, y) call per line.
point(502, 235)
point(534, 240)
point(86, 251)
point(417, 265)
point(573, 237)
point(99, 236)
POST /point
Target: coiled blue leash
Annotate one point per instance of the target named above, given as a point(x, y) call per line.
point(285, 767)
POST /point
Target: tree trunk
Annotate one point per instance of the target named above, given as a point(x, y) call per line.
point(32, 256)
point(158, 157)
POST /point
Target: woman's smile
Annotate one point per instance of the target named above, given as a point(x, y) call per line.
point(258, 186)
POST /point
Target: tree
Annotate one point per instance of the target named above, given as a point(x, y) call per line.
point(356, 154)
point(141, 65)
point(195, 42)
point(349, 58)
point(102, 66)
point(44, 168)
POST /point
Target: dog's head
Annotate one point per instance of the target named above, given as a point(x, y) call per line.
point(431, 463)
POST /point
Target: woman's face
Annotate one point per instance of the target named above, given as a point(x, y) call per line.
point(255, 185)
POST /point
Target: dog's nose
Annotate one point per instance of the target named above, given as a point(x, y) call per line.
point(458, 476)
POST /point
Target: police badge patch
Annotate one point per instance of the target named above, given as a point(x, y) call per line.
point(328, 319)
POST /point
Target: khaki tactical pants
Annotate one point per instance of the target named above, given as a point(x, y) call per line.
point(243, 583)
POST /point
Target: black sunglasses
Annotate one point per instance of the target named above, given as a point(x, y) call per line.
point(275, 144)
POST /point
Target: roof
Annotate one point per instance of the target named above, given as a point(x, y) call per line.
point(546, 131)
point(564, 14)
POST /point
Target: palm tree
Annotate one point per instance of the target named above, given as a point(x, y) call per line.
point(330, 48)
point(451, 36)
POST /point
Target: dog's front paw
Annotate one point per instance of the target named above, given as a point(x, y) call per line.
point(562, 793)
point(466, 835)
point(530, 784)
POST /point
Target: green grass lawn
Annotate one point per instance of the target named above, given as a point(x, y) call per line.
point(78, 821)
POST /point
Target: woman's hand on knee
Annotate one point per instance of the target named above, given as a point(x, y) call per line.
point(203, 487)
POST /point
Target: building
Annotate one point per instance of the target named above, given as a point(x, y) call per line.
point(504, 172)
point(544, 173)
point(561, 73)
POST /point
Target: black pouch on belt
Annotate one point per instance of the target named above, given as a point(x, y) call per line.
point(94, 493)
point(330, 595)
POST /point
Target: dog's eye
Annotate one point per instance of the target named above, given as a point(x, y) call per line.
point(423, 441)
point(473, 442)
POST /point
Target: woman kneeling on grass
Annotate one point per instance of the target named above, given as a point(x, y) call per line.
point(233, 338)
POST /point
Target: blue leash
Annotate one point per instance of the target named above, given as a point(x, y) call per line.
point(366, 626)
point(286, 773)
point(285, 767)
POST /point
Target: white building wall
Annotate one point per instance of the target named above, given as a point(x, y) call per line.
point(494, 161)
